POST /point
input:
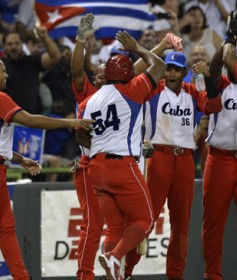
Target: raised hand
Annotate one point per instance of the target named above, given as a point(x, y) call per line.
point(201, 67)
point(231, 30)
point(128, 42)
point(85, 28)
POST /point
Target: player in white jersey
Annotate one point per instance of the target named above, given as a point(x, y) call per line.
point(115, 147)
point(220, 175)
point(170, 121)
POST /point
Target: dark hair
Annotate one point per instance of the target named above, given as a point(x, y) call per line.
point(4, 38)
point(186, 29)
point(157, 2)
point(31, 38)
point(63, 48)
point(61, 108)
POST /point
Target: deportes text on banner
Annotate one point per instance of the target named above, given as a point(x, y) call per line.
point(60, 225)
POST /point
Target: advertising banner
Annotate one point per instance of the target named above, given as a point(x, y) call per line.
point(60, 226)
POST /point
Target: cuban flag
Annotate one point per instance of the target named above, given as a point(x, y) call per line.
point(61, 17)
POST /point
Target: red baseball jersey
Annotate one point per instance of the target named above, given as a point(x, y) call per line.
point(7, 109)
point(88, 90)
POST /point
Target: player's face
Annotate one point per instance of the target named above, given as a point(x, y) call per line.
point(100, 77)
point(3, 75)
point(13, 47)
point(174, 76)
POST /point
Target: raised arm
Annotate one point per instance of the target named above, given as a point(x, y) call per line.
point(229, 48)
point(229, 58)
point(156, 66)
point(53, 54)
point(77, 67)
point(140, 65)
point(216, 65)
point(85, 30)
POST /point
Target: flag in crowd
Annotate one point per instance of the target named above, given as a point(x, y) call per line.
point(61, 17)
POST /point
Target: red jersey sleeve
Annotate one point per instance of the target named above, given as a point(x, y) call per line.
point(235, 71)
point(7, 107)
point(223, 83)
point(204, 104)
point(137, 89)
point(82, 106)
point(88, 89)
point(157, 90)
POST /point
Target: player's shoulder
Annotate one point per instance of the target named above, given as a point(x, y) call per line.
point(4, 96)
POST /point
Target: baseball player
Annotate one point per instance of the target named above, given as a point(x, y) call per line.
point(170, 120)
point(220, 176)
point(115, 145)
point(11, 112)
point(92, 223)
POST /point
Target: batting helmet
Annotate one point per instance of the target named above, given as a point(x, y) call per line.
point(119, 68)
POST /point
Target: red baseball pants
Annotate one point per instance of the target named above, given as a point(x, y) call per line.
point(219, 187)
point(92, 225)
point(122, 194)
point(8, 240)
point(171, 177)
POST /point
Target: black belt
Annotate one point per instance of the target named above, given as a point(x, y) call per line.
point(111, 156)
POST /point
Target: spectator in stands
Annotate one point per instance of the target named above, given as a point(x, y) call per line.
point(17, 15)
point(24, 70)
point(216, 12)
point(32, 45)
point(57, 151)
point(147, 40)
point(59, 79)
point(195, 31)
point(162, 25)
point(197, 53)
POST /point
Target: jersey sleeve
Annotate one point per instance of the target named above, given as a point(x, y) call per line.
point(7, 107)
point(88, 90)
point(137, 89)
point(223, 83)
point(204, 104)
point(82, 107)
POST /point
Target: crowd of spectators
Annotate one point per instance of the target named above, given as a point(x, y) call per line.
point(39, 67)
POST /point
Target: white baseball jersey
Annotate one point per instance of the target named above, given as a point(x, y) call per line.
point(117, 109)
point(170, 117)
point(223, 125)
point(7, 109)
